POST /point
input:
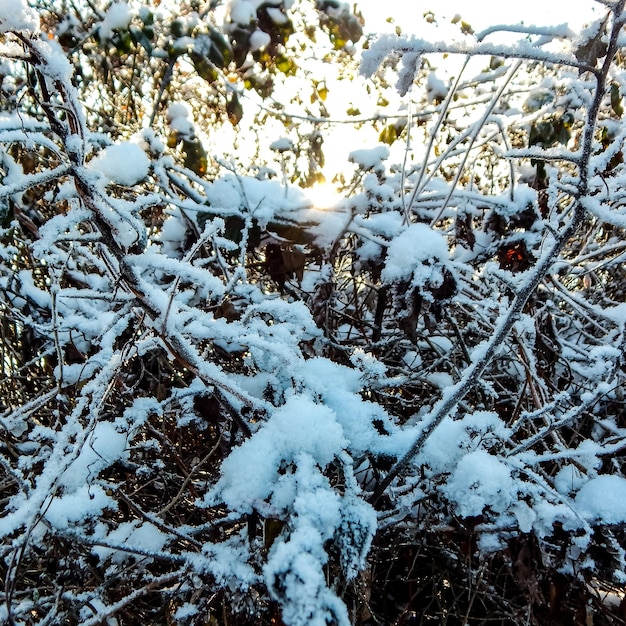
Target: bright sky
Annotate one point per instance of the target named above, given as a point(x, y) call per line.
point(479, 13)
point(409, 16)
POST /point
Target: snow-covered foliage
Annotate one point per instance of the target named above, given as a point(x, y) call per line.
point(218, 394)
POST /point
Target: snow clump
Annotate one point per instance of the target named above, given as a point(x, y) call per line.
point(411, 254)
point(125, 163)
point(118, 17)
point(17, 15)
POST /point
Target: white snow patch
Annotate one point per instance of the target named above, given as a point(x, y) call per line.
point(105, 446)
point(258, 40)
point(479, 481)
point(525, 515)
point(242, 12)
point(250, 473)
point(118, 17)
point(133, 534)
point(409, 251)
point(603, 499)
point(124, 163)
point(184, 611)
point(17, 15)
point(369, 158)
point(283, 144)
point(71, 508)
point(569, 479)
point(435, 88)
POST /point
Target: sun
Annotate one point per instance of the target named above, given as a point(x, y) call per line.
point(323, 196)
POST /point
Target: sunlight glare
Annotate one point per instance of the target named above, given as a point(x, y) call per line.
point(323, 196)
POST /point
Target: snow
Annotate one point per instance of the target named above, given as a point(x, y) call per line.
point(388, 224)
point(603, 500)
point(31, 292)
point(117, 17)
point(133, 535)
point(283, 144)
point(17, 15)
point(371, 367)
point(442, 380)
point(410, 252)
point(435, 87)
point(185, 611)
point(278, 17)
point(73, 508)
point(242, 12)
point(176, 110)
point(124, 163)
point(569, 479)
point(456, 437)
point(318, 424)
point(105, 446)
point(258, 40)
point(250, 474)
point(227, 563)
point(443, 344)
point(412, 359)
point(480, 481)
point(279, 470)
point(369, 158)
point(525, 516)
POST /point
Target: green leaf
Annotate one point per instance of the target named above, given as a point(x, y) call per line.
point(123, 42)
point(264, 86)
point(234, 110)
point(616, 100)
point(147, 17)
point(195, 156)
point(495, 62)
point(221, 52)
point(388, 135)
point(562, 134)
point(541, 134)
point(466, 28)
point(177, 28)
point(139, 37)
point(204, 67)
point(286, 65)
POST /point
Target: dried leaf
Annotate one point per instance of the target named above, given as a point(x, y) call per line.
point(272, 527)
point(294, 261)
point(463, 231)
point(514, 257)
point(594, 48)
point(284, 263)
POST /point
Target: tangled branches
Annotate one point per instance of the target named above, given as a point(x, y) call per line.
point(221, 405)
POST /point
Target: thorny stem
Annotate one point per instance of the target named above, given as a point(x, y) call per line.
point(485, 353)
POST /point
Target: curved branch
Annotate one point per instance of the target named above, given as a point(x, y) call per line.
point(483, 354)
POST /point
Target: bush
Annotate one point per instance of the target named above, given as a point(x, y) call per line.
point(221, 405)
